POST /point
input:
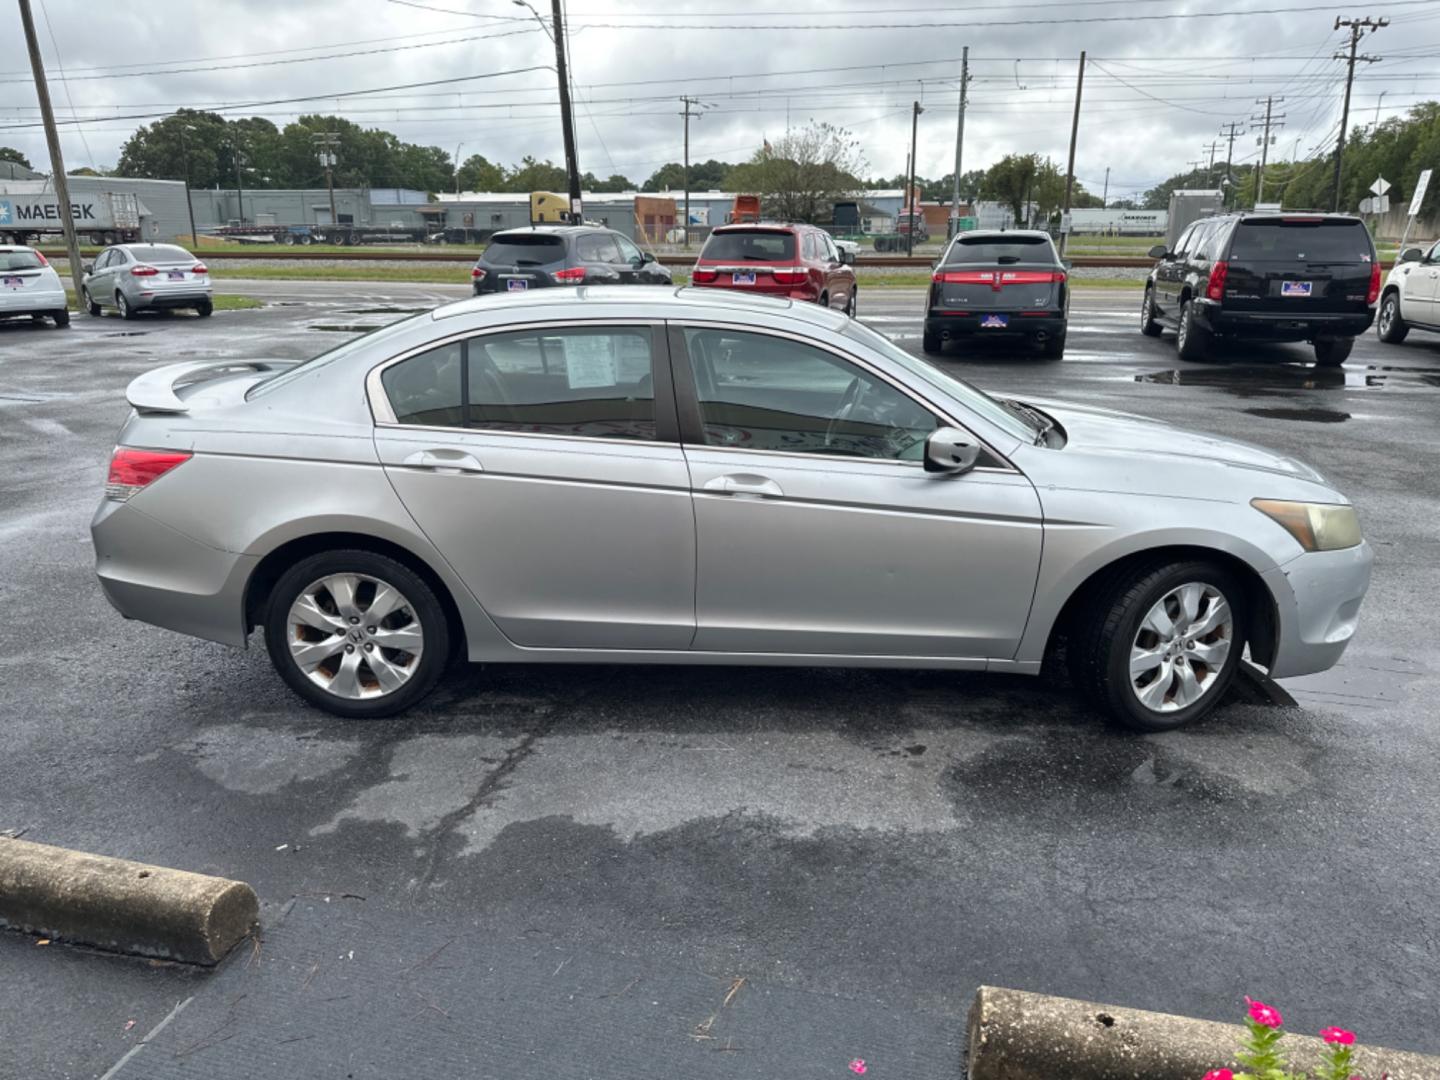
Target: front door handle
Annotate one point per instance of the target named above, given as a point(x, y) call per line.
point(444, 460)
point(745, 484)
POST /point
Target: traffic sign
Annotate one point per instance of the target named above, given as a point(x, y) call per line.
point(1420, 186)
point(1380, 187)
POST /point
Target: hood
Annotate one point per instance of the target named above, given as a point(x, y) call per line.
point(1125, 435)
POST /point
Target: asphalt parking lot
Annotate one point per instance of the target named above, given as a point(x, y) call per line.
point(566, 872)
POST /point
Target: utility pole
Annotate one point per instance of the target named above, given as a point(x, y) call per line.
point(325, 144)
point(1227, 183)
point(567, 119)
point(189, 205)
point(1265, 141)
point(1070, 167)
point(52, 137)
point(1210, 169)
point(959, 140)
point(688, 101)
point(910, 189)
point(1105, 197)
point(239, 191)
point(1357, 28)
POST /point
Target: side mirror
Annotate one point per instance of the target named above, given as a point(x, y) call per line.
point(1068, 264)
point(88, 268)
point(1159, 251)
point(1410, 255)
point(646, 257)
point(950, 450)
point(847, 257)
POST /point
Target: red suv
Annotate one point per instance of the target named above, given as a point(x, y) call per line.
point(799, 262)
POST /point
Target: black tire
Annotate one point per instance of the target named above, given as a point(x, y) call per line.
point(1148, 326)
point(62, 319)
point(204, 309)
point(1192, 340)
point(1333, 351)
point(853, 302)
point(1053, 348)
point(123, 305)
point(824, 300)
point(1099, 643)
point(288, 239)
point(932, 342)
point(1389, 326)
point(91, 307)
point(433, 659)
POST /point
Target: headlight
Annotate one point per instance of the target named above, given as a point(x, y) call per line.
point(1315, 526)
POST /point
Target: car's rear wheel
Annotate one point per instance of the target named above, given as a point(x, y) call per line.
point(356, 633)
point(62, 318)
point(1148, 325)
point(204, 308)
point(1390, 327)
point(1192, 340)
point(126, 312)
point(1053, 348)
point(91, 307)
point(932, 342)
point(1333, 351)
point(1157, 646)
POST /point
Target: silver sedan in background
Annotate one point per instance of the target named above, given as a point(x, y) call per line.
point(146, 277)
point(648, 475)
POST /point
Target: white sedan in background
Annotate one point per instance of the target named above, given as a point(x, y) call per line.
point(30, 287)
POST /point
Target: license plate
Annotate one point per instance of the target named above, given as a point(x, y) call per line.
point(14, 282)
point(1295, 288)
point(516, 284)
point(994, 322)
point(743, 277)
point(176, 275)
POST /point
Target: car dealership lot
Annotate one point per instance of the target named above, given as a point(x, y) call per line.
point(586, 858)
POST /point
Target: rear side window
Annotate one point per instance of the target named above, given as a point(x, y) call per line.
point(19, 260)
point(1323, 240)
point(426, 389)
point(754, 245)
point(1001, 251)
point(525, 249)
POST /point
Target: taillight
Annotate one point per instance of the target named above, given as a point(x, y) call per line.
point(199, 268)
point(43, 261)
point(477, 274)
point(1215, 287)
point(790, 275)
point(997, 278)
point(703, 277)
point(964, 277)
point(131, 469)
point(572, 273)
point(1374, 293)
point(143, 271)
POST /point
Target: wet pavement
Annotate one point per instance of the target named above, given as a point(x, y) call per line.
point(565, 871)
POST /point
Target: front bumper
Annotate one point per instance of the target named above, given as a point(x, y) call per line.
point(944, 321)
point(1317, 601)
point(1281, 326)
point(152, 573)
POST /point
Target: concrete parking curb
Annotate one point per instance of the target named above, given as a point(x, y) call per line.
point(121, 905)
point(1015, 1035)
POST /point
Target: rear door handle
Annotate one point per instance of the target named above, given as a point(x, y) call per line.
point(444, 460)
point(745, 484)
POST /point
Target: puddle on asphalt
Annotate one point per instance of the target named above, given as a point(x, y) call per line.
point(126, 333)
point(341, 328)
point(1314, 416)
point(1280, 377)
point(386, 311)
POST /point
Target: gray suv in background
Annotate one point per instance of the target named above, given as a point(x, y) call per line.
point(146, 277)
point(541, 256)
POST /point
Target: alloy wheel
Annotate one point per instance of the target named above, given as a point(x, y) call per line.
point(1183, 330)
point(1387, 315)
point(355, 636)
point(1181, 647)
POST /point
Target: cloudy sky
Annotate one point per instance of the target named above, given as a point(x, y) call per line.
point(1164, 75)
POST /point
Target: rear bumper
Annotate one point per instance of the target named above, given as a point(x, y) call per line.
point(803, 293)
point(177, 299)
point(1317, 600)
point(156, 575)
point(967, 323)
point(31, 302)
point(1282, 325)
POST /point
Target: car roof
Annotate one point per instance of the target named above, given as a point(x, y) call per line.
point(553, 230)
point(752, 226)
point(663, 302)
point(999, 234)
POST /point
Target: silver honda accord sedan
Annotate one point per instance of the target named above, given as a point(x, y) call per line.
point(651, 475)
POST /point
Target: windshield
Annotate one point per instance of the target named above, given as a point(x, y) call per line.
point(274, 382)
point(974, 398)
point(754, 245)
point(1316, 240)
point(993, 250)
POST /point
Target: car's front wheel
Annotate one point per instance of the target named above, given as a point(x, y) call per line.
point(356, 633)
point(91, 307)
point(1390, 327)
point(1157, 646)
point(1148, 324)
point(1332, 352)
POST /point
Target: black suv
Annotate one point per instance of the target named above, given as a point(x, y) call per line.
point(1267, 277)
point(545, 255)
point(998, 284)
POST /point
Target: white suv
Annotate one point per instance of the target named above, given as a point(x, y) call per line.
point(30, 286)
point(1411, 297)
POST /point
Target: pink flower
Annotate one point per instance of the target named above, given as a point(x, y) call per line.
point(1338, 1035)
point(858, 1067)
point(1263, 1014)
point(1219, 1074)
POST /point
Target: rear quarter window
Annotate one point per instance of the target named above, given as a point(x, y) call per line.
point(1279, 240)
point(1010, 249)
point(525, 249)
point(750, 245)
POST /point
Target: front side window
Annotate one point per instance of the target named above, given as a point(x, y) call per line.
point(597, 248)
point(1183, 244)
point(628, 251)
point(759, 392)
point(1434, 255)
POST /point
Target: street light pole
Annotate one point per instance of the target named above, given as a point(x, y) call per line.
point(910, 189)
point(189, 204)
